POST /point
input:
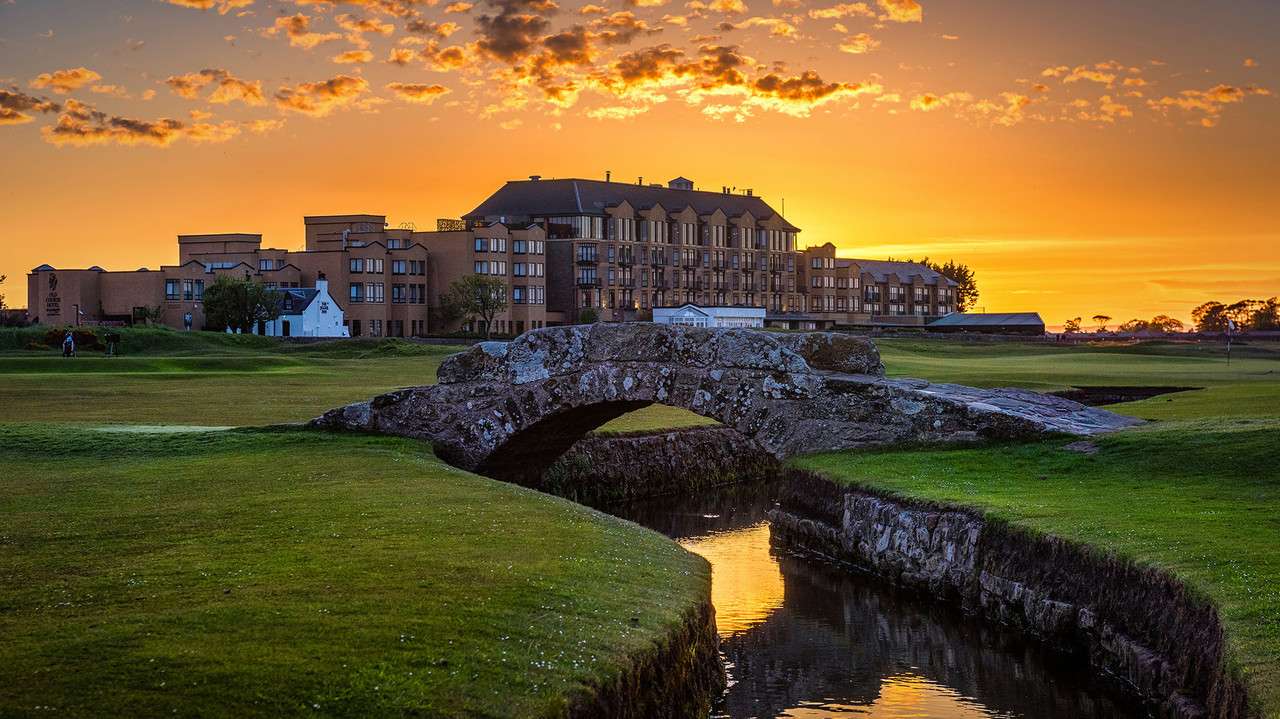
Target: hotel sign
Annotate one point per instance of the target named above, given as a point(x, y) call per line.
point(53, 303)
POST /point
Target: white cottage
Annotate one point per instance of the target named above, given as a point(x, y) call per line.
point(307, 312)
point(696, 316)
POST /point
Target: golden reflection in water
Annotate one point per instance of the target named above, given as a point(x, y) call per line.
point(901, 697)
point(746, 582)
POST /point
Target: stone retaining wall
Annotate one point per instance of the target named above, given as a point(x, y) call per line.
point(1136, 622)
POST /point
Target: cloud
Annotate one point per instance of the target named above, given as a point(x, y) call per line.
point(400, 56)
point(356, 27)
point(228, 88)
point(417, 92)
point(450, 58)
point(298, 29)
point(320, 98)
point(82, 125)
point(620, 28)
point(353, 56)
point(1209, 101)
point(223, 6)
point(457, 7)
point(859, 44)
point(926, 102)
point(901, 10)
point(777, 26)
point(1040, 88)
point(1250, 63)
point(1091, 74)
point(15, 105)
point(514, 30)
point(859, 9)
point(64, 81)
point(725, 6)
point(435, 29)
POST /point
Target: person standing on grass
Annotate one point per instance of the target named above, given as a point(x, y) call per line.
point(68, 346)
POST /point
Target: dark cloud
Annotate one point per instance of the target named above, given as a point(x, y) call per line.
point(807, 87)
point(82, 125)
point(621, 28)
point(15, 105)
point(433, 29)
point(513, 31)
point(420, 93)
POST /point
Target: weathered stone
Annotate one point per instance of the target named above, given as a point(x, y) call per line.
point(509, 410)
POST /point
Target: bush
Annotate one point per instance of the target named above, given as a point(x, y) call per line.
point(35, 346)
point(84, 338)
point(588, 316)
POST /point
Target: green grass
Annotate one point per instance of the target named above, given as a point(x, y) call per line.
point(247, 573)
point(1194, 493)
point(1248, 387)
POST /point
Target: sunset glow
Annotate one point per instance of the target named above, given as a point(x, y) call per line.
point(1082, 158)
point(746, 581)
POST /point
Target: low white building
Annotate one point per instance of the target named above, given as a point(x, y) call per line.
point(696, 316)
point(307, 312)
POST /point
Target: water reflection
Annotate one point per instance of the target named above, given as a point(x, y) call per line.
point(805, 639)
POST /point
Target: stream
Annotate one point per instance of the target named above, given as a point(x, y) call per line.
point(804, 638)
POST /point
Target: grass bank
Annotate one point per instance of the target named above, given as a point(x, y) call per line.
point(240, 573)
point(1194, 493)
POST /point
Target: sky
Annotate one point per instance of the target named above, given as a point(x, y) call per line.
point(1081, 158)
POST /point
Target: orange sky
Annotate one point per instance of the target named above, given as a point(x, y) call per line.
point(1081, 158)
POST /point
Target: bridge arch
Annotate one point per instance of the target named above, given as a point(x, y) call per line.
point(510, 409)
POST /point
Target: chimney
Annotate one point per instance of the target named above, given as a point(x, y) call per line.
point(606, 175)
point(322, 285)
point(749, 192)
point(535, 178)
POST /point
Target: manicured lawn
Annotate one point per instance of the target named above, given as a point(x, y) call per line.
point(233, 573)
point(1194, 492)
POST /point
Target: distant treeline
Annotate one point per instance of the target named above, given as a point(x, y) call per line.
point(1256, 315)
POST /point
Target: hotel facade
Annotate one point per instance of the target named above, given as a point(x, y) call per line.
point(564, 249)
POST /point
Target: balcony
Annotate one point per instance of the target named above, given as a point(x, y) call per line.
point(587, 260)
point(626, 260)
point(588, 284)
point(627, 283)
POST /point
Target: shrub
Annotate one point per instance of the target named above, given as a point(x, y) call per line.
point(84, 338)
point(35, 346)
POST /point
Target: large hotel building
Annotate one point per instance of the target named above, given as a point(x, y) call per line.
point(561, 246)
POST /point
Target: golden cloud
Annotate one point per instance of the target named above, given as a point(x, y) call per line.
point(298, 29)
point(457, 7)
point(321, 98)
point(228, 87)
point(400, 56)
point(434, 29)
point(901, 10)
point(859, 44)
point(859, 9)
point(419, 93)
point(223, 6)
point(353, 56)
point(82, 125)
point(777, 26)
point(64, 81)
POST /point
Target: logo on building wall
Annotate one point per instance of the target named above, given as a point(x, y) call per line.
point(52, 303)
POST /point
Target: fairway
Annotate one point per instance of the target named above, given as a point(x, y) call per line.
point(1194, 492)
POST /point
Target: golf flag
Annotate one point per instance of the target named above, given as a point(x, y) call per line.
point(1230, 325)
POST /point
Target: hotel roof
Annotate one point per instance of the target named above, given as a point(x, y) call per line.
point(548, 198)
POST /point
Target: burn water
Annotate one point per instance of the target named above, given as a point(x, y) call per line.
point(801, 637)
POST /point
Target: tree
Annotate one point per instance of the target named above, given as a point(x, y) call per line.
point(1101, 321)
point(588, 316)
point(477, 295)
point(1242, 312)
point(1134, 325)
point(1210, 317)
point(153, 314)
point(239, 304)
point(1266, 316)
point(2, 296)
point(1164, 323)
point(967, 291)
point(1071, 325)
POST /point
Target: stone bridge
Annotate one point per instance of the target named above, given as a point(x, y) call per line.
point(508, 410)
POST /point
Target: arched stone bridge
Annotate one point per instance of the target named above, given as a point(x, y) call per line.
point(508, 410)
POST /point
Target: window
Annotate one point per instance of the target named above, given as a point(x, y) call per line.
point(398, 294)
point(375, 266)
point(518, 294)
point(266, 265)
point(171, 289)
point(586, 253)
point(498, 244)
point(357, 292)
point(538, 249)
point(373, 292)
point(397, 267)
point(519, 247)
point(519, 269)
point(482, 244)
point(498, 268)
point(199, 294)
point(188, 290)
point(482, 267)
point(356, 264)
